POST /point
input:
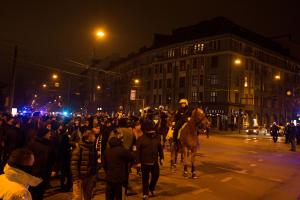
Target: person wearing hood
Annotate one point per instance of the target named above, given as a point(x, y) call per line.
point(17, 176)
point(149, 148)
point(84, 167)
point(116, 160)
point(44, 155)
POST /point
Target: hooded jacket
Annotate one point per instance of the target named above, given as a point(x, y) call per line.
point(15, 182)
point(116, 159)
point(149, 148)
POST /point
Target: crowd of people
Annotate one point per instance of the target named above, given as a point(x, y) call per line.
point(291, 133)
point(34, 149)
point(75, 149)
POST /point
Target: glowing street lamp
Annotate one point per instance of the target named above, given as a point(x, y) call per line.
point(136, 81)
point(289, 93)
point(277, 77)
point(54, 76)
point(98, 87)
point(237, 61)
point(44, 85)
point(100, 34)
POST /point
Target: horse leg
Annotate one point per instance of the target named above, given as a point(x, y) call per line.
point(184, 153)
point(173, 149)
point(193, 159)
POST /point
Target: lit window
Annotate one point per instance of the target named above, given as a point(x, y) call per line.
point(213, 96)
point(213, 80)
point(199, 47)
point(194, 96)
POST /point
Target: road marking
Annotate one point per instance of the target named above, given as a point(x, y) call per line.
point(260, 160)
point(243, 171)
point(275, 180)
point(253, 165)
point(252, 151)
point(226, 179)
point(202, 190)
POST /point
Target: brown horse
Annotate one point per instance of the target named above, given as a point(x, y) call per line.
point(188, 137)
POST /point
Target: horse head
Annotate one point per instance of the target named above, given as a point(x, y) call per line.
point(200, 119)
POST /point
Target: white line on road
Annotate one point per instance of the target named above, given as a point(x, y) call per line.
point(202, 190)
point(226, 179)
point(260, 160)
point(243, 171)
point(253, 165)
point(252, 151)
point(275, 179)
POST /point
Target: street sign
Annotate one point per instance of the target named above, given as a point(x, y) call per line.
point(133, 95)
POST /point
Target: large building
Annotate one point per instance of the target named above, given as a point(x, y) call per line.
point(239, 77)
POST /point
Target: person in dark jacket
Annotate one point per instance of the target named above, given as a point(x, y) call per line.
point(275, 132)
point(116, 160)
point(149, 149)
point(12, 138)
point(64, 160)
point(293, 134)
point(84, 167)
point(44, 155)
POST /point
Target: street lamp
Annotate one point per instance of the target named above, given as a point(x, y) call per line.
point(44, 85)
point(237, 61)
point(277, 77)
point(136, 81)
point(100, 34)
point(98, 87)
point(289, 93)
point(54, 76)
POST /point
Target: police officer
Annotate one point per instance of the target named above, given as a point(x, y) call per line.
point(181, 116)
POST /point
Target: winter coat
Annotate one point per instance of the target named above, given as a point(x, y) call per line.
point(84, 160)
point(149, 148)
point(64, 149)
point(13, 139)
point(15, 182)
point(115, 163)
point(44, 158)
point(274, 130)
point(292, 132)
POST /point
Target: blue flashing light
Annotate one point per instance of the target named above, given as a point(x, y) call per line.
point(65, 113)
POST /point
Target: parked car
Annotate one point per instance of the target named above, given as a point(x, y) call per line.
point(256, 131)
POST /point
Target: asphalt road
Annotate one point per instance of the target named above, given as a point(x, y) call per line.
point(229, 167)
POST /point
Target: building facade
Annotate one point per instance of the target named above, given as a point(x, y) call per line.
point(240, 78)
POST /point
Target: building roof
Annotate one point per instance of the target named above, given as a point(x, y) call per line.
point(216, 26)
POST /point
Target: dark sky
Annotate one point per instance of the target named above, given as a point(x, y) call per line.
point(50, 31)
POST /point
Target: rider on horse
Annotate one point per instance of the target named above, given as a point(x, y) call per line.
point(181, 116)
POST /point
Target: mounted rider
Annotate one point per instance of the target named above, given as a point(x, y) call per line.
point(181, 116)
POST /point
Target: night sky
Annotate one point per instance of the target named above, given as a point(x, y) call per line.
point(48, 32)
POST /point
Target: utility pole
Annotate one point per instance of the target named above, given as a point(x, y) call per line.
point(13, 79)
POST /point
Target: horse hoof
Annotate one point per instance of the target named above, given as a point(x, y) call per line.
point(194, 176)
point(185, 174)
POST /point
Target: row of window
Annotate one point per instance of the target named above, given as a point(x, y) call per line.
point(194, 49)
point(196, 81)
point(196, 97)
point(197, 63)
